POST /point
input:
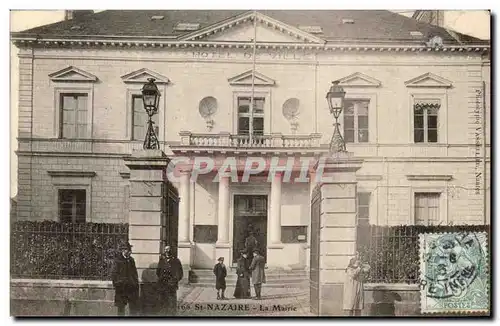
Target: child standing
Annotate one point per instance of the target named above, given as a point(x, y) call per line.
point(220, 278)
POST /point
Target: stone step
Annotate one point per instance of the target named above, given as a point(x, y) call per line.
point(289, 282)
point(273, 273)
point(268, 278)
point(273, 277)
point(299, 285)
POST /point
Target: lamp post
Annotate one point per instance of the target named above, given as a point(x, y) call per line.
point(151, 99)
point(335, 98)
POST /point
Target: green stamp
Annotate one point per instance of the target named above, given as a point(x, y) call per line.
point(454, 272)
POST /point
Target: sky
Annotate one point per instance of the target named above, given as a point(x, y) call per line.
point(467, 22)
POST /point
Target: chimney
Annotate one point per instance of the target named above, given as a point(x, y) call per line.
point(72, 14)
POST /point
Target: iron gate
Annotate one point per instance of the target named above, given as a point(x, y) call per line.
point(314, 251)
point(170, 217)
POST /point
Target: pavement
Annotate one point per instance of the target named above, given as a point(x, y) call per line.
point(202, 301)
point(193, 301)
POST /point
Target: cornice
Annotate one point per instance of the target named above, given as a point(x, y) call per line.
point(78, 174)
point(428, 177)
point(166, 44)
point(368, 177)
point(125, 175)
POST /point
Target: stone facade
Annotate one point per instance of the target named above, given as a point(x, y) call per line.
point(394, 166)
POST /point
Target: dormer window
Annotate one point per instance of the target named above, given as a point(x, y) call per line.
point(311, 29)
point(347, 21)
point(416, 34)
point(187, 27)
point(157, 17)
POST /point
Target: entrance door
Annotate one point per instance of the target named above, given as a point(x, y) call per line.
point(250, 214)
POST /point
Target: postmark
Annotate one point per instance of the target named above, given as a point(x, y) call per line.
point(454, 272)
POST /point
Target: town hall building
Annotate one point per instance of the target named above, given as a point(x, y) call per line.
point(253, 84)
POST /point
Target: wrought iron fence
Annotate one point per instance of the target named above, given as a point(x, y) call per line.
point(393, 251)
point(53, 250)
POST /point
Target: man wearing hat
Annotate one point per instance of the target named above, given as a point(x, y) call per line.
point(169, 272)
point(258, 275)
point(251, 242)
point(125, 280)
point(220, 273)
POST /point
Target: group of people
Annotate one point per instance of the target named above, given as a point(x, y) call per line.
point(250, 266)
point(245, 270)
point(126, 282)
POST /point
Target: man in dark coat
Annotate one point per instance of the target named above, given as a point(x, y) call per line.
point(242, 289)
point(258, 274)
point(251, 244)
point(169, 272)
point(220, 273)
point(125, 280)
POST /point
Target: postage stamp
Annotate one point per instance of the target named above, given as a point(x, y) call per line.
point(454, 271)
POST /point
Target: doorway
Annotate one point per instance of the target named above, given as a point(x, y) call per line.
point(250, 214)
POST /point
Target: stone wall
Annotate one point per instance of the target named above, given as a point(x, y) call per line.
point(107, 189)
point(306, 79)
point(391, 300)
point(90, 298)
point(389, 156)
point(386, 179)
point(61, 298)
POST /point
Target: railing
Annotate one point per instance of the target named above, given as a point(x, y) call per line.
point(263, 141)
point(393, 251)
point(53, 250)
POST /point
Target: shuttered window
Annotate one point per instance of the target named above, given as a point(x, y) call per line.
point(244, 116)
point(427, 208)
point(363, 208)
point(425, 121)
point(140, 119)
point(356, 121)
point(74, 116)
point(72, 205)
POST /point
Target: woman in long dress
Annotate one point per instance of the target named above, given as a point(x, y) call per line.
point(242, 289)
point(353, 301)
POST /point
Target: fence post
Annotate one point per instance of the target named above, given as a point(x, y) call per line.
point(147, 197)
point(337, 231)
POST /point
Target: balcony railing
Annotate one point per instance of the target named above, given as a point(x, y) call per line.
point(263, 141)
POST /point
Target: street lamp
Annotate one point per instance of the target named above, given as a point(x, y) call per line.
point(151, 99)
point(335, 98)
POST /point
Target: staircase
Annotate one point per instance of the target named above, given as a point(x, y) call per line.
point(275, 278)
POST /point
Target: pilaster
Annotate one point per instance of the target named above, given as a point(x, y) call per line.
point(336, 230)
point(147, 197)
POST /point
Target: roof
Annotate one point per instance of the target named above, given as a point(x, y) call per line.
point(369, 25)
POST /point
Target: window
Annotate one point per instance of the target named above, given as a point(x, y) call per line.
point(205, 233)
point(253, 204)
point(244, 115)
point(294, 234)
point(425, 117)
point(74, 115)
point(356, 121)
point(72, 205)
point(140, 118)
point(427, 208)
point(363, 208)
